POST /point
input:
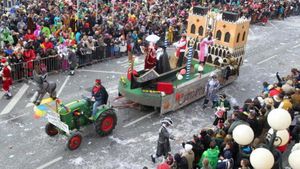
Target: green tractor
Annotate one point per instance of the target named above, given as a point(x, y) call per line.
point(69, 118)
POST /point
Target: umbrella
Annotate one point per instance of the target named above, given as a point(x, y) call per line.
point(152, 38)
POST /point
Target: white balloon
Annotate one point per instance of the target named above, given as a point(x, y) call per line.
point(262, 158)
point(279, 119)
point(294, 159)
point(243, 134)
point(282, 134)
point(179, 77)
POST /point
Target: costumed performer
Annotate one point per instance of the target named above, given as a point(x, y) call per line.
point(6, 78)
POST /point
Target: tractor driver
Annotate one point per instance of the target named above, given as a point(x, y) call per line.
point(99, 95)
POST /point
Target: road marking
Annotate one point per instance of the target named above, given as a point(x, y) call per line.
point(273, 25)
point(296, 46)
point(5, 121)
point(101, 71)
point(263, 61)
point(63, 86)
point(139, 119)
point(15, 99)
point(50, 163)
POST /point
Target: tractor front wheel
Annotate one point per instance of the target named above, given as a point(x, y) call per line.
point(106, 122)
point(74, 141)
point(51, 130)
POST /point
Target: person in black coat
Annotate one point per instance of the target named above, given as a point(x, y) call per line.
point(73, 61)
point(181, 162)
point(99, 95)
point(163, 143)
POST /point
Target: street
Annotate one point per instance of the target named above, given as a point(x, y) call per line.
point(24, 143)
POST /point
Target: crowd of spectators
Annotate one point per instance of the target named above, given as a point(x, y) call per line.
point(216, 149)
point(36, 29)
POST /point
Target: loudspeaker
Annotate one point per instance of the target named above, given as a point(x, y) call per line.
point(229, 16)
point(199, 10)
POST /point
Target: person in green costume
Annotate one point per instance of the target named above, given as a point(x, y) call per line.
point(212, 154)
point(6, 37)
point(46, 31)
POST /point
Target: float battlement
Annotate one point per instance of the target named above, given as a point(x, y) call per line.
point(229, 31)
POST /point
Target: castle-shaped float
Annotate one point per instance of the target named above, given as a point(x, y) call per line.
point(171, 90)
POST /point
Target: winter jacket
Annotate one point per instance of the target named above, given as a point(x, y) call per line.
point(295, 99)
point(48, 45)
point(286, 105)
point(288, 89)
point(100, 94)
point(29, 55)
point(189, 157)
point(163, 165)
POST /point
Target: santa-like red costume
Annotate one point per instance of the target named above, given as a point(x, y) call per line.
point(6, 77)
point(150, 60)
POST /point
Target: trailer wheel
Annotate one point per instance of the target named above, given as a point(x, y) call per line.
point(74, 141)
point(106, 122)
point(51, 130)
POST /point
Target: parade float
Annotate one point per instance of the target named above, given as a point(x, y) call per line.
point(171, 90)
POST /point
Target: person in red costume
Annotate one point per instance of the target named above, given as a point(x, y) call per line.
point(180, 49)
point(6, 78)
point(47, 46)
point(29, 56)
point(150, 60)
point(30, 36)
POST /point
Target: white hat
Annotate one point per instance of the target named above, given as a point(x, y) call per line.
point(167, 120)
point(188, 147)
point(213, 74)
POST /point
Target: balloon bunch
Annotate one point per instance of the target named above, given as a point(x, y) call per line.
point(180, 74)
point(40, 111)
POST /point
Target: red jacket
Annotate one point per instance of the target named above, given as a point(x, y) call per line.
point(48, 45)
point(274, 92)
point(29, 55)
point(30, 37)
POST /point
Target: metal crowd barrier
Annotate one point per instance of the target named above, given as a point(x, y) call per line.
point(55, 63)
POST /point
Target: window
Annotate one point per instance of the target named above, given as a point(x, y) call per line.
point(209, 48)
point(200, 30)
point(244, 34)
point(209, 59)
point(227, 37)
point(219, 35)
point(193, 29)
point(216, 51)
point(238, 38)
point(212, 50)
point(220, 52)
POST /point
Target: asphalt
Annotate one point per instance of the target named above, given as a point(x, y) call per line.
point(24, 144)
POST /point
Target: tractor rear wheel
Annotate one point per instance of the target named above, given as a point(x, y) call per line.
point(51, 130)
point(74, 141)
point(106, 122)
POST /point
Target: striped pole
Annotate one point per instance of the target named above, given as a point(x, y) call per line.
point(189, 62)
